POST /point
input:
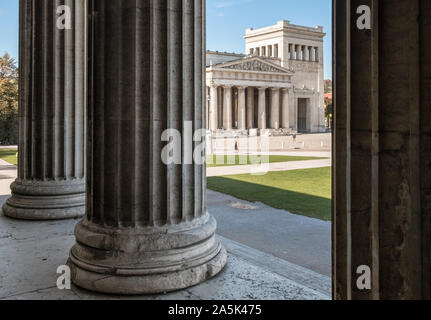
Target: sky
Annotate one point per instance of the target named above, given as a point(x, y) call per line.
point(227, 21)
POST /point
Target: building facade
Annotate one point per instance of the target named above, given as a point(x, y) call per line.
point(276, 88)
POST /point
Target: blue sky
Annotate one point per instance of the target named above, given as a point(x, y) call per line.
point(228, 19)
point(226, 22)
point(9, 27)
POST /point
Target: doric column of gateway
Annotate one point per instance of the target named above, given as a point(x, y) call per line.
point(227, 107)
point(51, 182)
point(220, 107)
point(146, 228)
point(275, 108)
point(298, 52)
point(242, 121)
point(285, 114)
point(262, 108)
point(250, 108)
point(213, 109)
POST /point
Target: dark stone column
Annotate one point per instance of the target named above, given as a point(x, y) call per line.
point(382, 179)
point(146, 228)
point(51, 170)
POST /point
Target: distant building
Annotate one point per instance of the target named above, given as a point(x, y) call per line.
point(276, 88)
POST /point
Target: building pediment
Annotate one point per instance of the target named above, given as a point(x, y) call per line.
point(255, 65)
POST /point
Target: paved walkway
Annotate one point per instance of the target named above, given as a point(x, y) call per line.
point(279, 166)
point(300, 240)
point(8, 174)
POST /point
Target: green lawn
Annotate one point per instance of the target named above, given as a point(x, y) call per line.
point(224, 161)
point(303, 192)
point(9, 155)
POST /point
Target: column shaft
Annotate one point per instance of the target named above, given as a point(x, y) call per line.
point(382, 181)
point(146, 228)
point(220, 107)
point(298, 52)
point(262, 108)
point(250, 108)
point(285, 112)
point(227, 108)
point(213, 110)
point(275, 108)
point(242, 121)
point(51, 172)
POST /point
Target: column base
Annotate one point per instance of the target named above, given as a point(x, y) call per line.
point(46, 200)
point(145, 260)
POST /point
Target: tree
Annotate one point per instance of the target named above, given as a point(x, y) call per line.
point(8, 100)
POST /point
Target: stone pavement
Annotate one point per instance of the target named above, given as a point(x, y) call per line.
point(30, 253)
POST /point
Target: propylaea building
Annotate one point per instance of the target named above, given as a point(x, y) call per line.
point(276, 88)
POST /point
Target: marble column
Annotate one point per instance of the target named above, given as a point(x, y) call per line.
point(298, 52)
point(227, 107)
point(250, 108)
point(51, 173)
point(242, 121)
point(285, 114)
point(213, 109)
point(275, 108)
point(262, 108)
point(146, 228)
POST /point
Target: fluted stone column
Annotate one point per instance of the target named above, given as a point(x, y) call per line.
point(51, 173)
point(219, 107)
point(275, 108)
point(250, 108)
point(227, 107)
point(382, 155)
point(262, 108)
point(292, 51)
point(241, 109)
point(285, 112)
point(207, 107)
point(146, 228)
point(213, 111)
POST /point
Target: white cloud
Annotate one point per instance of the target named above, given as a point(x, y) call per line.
point(226, 4)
